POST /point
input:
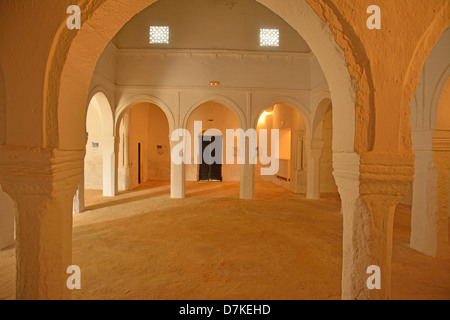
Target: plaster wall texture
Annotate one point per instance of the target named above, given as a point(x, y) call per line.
point(187, 69)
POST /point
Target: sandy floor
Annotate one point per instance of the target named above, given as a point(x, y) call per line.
point(211, 245)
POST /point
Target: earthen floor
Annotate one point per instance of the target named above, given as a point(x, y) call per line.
point(211, 245)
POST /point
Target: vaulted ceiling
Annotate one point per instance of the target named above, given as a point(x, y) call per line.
point(209, 24)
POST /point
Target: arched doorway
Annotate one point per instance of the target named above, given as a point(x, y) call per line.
point(98, 165)
point(208, 122)
point(148, 145)
point(293, 130)
point(98, 176)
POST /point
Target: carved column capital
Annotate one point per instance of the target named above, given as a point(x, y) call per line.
point(385, 177)
point(39, 171)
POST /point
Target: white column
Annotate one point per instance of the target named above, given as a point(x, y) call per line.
point(313, 170)
point(109, 166)
point(124, 165)
point(78, 200)
point(42, 182)
point(247, 178)
point(370, 186)
point(177, 178)
point(429, 223)
point(247, 181)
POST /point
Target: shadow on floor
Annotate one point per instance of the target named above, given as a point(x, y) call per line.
point(95, 200)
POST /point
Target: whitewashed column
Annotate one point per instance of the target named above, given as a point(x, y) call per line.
point(313, 170)
point(42, 182)
point(109, 166)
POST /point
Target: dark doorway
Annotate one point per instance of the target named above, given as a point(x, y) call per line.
point(139, 163)
point(211, 168)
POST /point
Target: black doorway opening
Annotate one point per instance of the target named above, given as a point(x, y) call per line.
point(139, 164)
point(211, 171)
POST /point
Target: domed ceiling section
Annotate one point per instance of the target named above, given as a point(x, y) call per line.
point(209, 24)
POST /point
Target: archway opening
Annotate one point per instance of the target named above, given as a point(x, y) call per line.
point(148, 147)
point(292, 146)
point(346, 143)
point(210, 170)
point(99, 177)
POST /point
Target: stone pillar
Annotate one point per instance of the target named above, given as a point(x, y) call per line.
point(442, 163)
point(109, 166)
point(177, 177)
point(124, 167)
point(43, 183)
point(299, 162)
point(78, 200)
point(247, 177)
point(370, 187)
point(247, 181)
point(313, 170)
point(429, 222)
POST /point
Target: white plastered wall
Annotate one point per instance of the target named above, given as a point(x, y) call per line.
point(429, 226)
